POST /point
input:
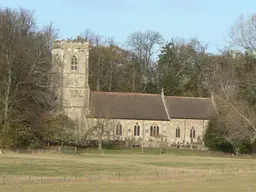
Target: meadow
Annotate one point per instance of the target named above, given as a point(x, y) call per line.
point(126, 170)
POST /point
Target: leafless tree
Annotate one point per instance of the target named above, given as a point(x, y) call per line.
point(240, 115)
point(96, 42)
point(161, 141)
point(236, 114)
point(144, 43)
point(111, 45)
point(25, 63)
point(243, 33)
point(99, 129)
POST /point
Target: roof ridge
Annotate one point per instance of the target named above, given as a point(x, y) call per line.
point(186, 97)
point(125, 93)
point(152, 94)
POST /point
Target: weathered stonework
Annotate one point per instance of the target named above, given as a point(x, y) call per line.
point(71, 82)
point(167, 129)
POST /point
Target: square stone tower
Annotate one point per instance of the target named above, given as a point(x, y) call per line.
point(70, 68)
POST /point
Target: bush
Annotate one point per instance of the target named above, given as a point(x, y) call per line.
point(14, 135)
point(113, 144)
point(213, 138)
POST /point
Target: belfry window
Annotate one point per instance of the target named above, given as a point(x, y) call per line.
point(74, 63)
point(192, 133)
point(136, 130)
point(119, 129)
point(154, 130)
point(177, 132)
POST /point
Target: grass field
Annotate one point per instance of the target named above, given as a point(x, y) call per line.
point(126, 170)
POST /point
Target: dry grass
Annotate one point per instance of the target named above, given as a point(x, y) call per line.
point(94, 172)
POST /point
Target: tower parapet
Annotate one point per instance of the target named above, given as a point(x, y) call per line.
point(64, 44)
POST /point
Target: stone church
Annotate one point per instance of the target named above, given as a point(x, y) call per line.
point(137, 116)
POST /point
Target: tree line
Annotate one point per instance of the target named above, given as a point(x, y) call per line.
point(145, 63)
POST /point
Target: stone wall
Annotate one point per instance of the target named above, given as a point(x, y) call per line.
point(73, 89)
point(167, 130)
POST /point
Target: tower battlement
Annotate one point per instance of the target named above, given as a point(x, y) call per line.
point(62, 44)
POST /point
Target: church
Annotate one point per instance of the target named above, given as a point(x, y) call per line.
point(136, 116)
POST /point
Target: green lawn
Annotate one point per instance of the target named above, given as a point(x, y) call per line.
point(126, 170)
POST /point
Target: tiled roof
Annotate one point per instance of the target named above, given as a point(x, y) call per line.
point(139, 106)
point(189, 107)
point(117, 105)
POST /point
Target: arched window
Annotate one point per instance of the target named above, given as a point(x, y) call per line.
point(136, 130)
point(74, 64)
point(192, 133)
point(119, 129)
point(178, 132)
point(154, 130)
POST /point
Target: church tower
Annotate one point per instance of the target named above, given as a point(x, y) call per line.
point(70, 66)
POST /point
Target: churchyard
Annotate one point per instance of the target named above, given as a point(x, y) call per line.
point(126, 170)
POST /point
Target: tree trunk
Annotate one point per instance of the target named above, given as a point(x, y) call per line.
point(110, 76)
point(199, 84)
point(133, 79)
point(99, 144)
point(98, 74)
point(100, 139)
point(48, 144)
point(7, 93)
point(236, 149)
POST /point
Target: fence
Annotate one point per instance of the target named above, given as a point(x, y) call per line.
point(171, 175)
point(55, 149)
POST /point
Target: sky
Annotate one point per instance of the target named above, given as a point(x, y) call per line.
point(208, 20)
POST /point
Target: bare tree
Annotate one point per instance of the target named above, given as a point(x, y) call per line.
point(237, 116)
point(144, 45)
point(99, 129)
point(161, 141)
point(243, 33)
point(234, 127)
point(240, 115)
point(111, 45)
point(96, 58)
point(25, 63)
